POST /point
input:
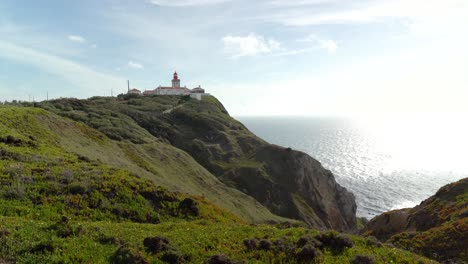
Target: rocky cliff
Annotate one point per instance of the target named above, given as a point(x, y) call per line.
point(297, 186)
point(289, 183)
point(437, 228)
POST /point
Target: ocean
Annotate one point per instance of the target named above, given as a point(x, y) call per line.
point(388, 164)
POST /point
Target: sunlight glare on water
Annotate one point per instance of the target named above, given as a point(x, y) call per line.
point(388, 163)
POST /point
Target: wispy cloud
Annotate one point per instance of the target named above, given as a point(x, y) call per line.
point(250, 45)
point(182, 3)
point(301, 2)
point(135, 65)
point(76, 38)
point(414, 12)
point(327, 44)
point(89, 81)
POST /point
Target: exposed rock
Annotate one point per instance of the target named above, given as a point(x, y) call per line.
point(297, 186)
point(436, 228)
point(387, 224)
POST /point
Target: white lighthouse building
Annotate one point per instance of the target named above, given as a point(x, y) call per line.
point(175, 81)
point(175, 89)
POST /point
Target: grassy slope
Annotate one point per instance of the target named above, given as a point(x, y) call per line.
point(216, 141)
point(195, 241)
point(62, 207)
point(155, 160)
point(40, 180)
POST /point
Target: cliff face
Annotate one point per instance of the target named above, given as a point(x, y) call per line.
point(289, 183)
point(437, 228)
point(297, 186)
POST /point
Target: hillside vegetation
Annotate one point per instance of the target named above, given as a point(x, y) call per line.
point(150, 158)
point(437, 228)
point(289, 183)
point(69, 194)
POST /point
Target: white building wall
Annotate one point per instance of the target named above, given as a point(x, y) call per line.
point(172, 92)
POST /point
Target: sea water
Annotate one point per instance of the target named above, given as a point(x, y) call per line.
point(387, 163)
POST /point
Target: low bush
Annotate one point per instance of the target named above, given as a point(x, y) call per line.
point(125, 255)
point(251, 244)
point(173, 257)
point(308, 253)
point(220, 259)
point(308, 240)
point(264, 244)
point(363, 259)
point(335, 241)
point(156, 244)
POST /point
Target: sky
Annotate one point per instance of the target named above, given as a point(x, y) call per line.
point(262, 57)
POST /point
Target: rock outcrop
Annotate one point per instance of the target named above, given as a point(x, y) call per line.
point(293, 184)
point(437, 228)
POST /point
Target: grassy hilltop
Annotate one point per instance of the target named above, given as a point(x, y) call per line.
point(87, 181)
point(288, 183)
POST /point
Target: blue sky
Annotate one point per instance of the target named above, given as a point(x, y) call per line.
point(263, 57)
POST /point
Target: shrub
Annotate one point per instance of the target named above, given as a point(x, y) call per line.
point(173, 257)
point(156, 244)
point(308, 240)
point(106, 240)
point(264, 244)
point(251, 244)
point(308, 253)
point(336, 242)
point(63, 228)
point(123, 255)
point(220, 259)
point(360, 259)
point(42, 247)
point(189, 207)
point(77, 188)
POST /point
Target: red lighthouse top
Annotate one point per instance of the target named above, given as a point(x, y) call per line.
point(176, 77)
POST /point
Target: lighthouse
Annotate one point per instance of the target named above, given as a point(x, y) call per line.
point(175, 81)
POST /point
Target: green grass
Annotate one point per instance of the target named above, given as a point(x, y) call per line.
point(154, 159)
point(69, 194)
point(196, 241)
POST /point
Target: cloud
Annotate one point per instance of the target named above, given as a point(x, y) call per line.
point(76, 38)
point(300, 2)
point(250, 45)
point(89, 81)
point(135, 65)
point(414, 13)
point(327, 44)
point(182, 3)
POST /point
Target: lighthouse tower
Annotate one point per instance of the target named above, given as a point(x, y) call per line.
point(175, 81)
